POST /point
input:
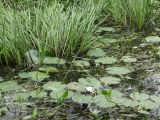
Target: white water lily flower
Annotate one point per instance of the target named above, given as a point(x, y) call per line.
point(90, 89)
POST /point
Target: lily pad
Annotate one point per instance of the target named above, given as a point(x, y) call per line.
point(153, 39)
point(57, 94)
point(96, 53)
point(147, 104)
point(50, 69)
point(110, 80)
point(35, 75)
point(81, 63)
point(53, 60)
point(130, 103)
point(9, 86)
point(129, 59)
point(106, 60)
point(102, 102)
point(155, 98)
point(90, 82)
point(118, 70)
point(82, 99)
point(76, 86)
point(139, 96)
point(54, 86)
point(106, 29)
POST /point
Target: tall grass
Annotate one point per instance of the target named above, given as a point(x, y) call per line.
point(62, 32)
point(132, 13)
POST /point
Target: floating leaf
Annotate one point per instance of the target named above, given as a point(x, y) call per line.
point(106, 60)
point(118, 70)
point(53, 60)
point(155, 98)
point(35, 75)
point(82, 99)
point(90, 82)
point(50, 69)
point(139, 96)
point(81, 63)
point(1, 79)
point(38, 94)
point(76, 86)
point(9, 86)
point(54, 86)
point(58, 94)
point(102, 102)
point(96, 53)
point(20, 96)
point(147, 104)
point(108, 41)
point(144, 112)
point(130, 103)
point(129, 59)
point(153, 39)
point(106, 29)
point(110, 80)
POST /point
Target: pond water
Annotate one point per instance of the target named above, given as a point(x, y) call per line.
point(106, 83)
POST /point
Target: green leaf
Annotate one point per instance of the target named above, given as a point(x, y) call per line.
point(155, 98)
point(79, 98)
point(90, 82)
point(9, 86)
point(35, 75)
point(76, 86)
point(147, 104)
point(118, 70)
point(49, 69)
point(53, 60)
point(139, 96)
point(102, 102)
point(110, 80)
point(54, 86)
point(81, 63)
point(106, 60)
point(106, 29)
point(153, 39)
point(96, 53)
point(129, 59)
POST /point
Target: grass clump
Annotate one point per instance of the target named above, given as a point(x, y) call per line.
point(132, 13)
point(61, 32)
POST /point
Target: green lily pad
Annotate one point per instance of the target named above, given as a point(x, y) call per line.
point(102, 102)
point(81, 63)
point(9, 86)
point(116, 94)
point(37, 94)
point(153, 39)
point(147, 104)
point(118, 70)
point(106, 29)
point(139, 96)
point(129, 59)
point(76, 86)
point(96, 53)
point(130, 103)
point(49, 69)
point(35, 75)
point(1, 79)
point(90, 82)
point(53, 60)
point(106, 60)
point(20, 96)
point(155, 98)
point(108, 41)
point(82, 99)
point(54, 86)
point(110, 80)
point(57, 94)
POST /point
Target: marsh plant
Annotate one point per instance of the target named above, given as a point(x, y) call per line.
point(62, 33)
point(135, 13)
